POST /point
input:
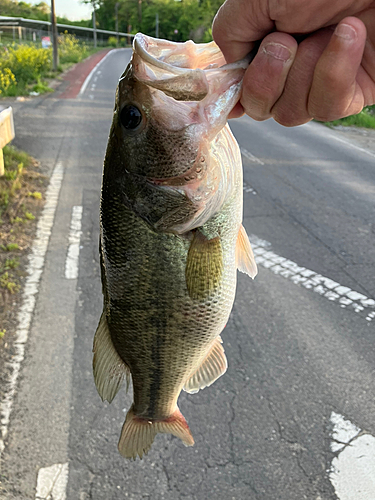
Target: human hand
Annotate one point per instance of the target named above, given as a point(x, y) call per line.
point(329, 75)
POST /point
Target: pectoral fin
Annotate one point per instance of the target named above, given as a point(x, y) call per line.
point(214, 366)
point(204, 266)
point(109, 368)
point(244, 254)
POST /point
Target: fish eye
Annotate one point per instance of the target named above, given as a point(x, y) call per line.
point(130, 117)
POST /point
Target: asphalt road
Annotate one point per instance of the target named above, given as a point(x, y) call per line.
point(262, 431)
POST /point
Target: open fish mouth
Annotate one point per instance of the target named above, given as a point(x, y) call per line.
point(185, 71)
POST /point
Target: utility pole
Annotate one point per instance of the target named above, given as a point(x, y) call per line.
point(140, 13)
point(116, 11)
point(94, 25)
point(54, 37)
point(157, 26)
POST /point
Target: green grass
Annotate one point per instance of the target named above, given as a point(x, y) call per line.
point(13, 157)
point(365, 119)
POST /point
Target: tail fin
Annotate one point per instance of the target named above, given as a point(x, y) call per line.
point(138, 434)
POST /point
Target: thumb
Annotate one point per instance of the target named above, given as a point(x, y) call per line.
point(239, 23)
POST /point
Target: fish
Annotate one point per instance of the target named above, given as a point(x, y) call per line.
point(171, 234)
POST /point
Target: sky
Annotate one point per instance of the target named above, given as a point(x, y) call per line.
point(72, 9)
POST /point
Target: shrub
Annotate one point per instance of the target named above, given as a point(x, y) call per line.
point(7, 80)
point(112, 41)
point(71, 50)
point(26, 62)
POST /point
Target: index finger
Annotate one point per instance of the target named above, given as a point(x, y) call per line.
point(237, 25)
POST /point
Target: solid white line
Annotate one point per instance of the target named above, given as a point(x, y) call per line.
point(89, 76)
point(352, 471)
point(30, 291)
point(311, 280)
point(72, 258)
point(52, 482)
point(350, 144)
point(250, 156)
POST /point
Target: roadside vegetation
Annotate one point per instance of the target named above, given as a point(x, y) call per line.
point(365, 119)
point(22, 189)
point(25, 68)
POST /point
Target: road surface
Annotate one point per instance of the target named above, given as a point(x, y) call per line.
point(299, 342)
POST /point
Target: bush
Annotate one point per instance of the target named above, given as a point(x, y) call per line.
point(7, 80)
point(71, 50)
point(112, 41)
point(25, 62)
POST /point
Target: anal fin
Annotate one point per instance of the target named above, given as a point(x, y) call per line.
point(213, 366)
point(109, 368)
point(244, 254)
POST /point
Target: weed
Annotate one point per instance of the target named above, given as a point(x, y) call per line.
point(29, 215)
point(36, 194)
point(16, 220)
point(41, 87)
point(11, 264)
point(2, 333)
point(7, 283)
point(10, 247)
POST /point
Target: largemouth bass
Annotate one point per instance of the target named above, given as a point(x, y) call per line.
point(171, 234)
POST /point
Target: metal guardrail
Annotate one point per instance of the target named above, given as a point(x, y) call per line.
point(19, 25)
point(6, 132)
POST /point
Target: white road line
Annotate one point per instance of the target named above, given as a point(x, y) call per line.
point(250, 156)
point(52, 482)
point(30, 291)
point(351, 145)
point(72, 258)
point(352, 471)
point(88, 78)
point(311, 280)
point(248, 189)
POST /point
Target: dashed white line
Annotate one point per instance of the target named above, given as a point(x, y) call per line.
point(52, 482)
point(88, 78)
point(248, 189)
point(250, 156)
point(352, 471)
point(311, 280)
point(30, 291)
point(72, 258)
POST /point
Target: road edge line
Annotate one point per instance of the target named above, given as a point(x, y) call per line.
point(29, 294)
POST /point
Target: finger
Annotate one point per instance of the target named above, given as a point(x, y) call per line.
point(292, 107)
point(237, 111)
point(237, 24)
point(335, 92)
point(265, 78)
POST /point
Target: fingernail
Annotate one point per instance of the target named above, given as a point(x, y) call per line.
point(346, 31)
point(277, 51)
